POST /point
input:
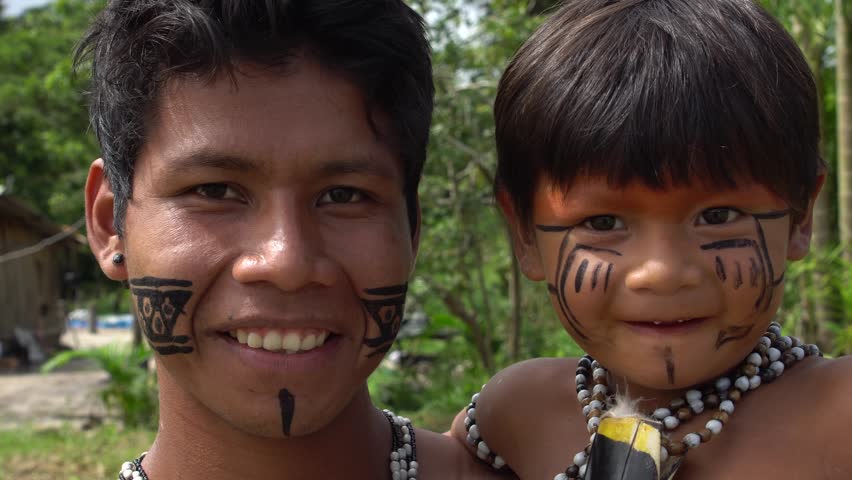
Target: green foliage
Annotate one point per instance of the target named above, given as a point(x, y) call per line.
point(43, 119)
point(69, 454)
point(824, 276)
point(132, 389)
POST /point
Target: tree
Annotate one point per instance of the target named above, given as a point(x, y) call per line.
point(842, 13)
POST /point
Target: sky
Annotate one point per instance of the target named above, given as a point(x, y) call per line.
point(15, 7)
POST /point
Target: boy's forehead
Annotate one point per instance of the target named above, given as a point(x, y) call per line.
point(587, 191)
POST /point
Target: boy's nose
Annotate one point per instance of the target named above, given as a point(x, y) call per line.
point(665, 270)
point(287, 253)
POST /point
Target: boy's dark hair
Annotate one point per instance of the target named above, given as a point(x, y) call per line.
point(136, 46)
point(658, 91)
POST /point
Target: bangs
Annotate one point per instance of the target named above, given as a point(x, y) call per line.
point(665, 93)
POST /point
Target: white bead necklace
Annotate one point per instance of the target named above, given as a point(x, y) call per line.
point(403, 455)
point(767, 361)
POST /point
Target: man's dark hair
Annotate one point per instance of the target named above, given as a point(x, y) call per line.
point(664, 92)
point(136, 46)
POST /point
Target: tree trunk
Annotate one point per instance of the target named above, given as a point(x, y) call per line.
point(844, 124)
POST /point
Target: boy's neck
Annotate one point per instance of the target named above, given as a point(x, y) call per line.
point(192, 442)
point(648, 399)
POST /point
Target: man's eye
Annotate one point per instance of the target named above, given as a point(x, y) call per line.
point(718, 216)
point(603, 223)
point(216, 191)
point(341, 195)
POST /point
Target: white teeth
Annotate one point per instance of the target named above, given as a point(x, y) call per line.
point(291, 341)
point(277, 341)
point(272, 341)
point(255, 340)
point(308, 342)
point(681, 321)
point(658, 323)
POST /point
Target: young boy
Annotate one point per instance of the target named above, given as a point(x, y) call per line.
point(258, 194)
point(658, 164)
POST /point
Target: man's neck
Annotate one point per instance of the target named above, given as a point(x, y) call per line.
point(192, 442)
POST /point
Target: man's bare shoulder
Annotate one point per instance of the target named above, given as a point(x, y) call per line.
point(442, 457)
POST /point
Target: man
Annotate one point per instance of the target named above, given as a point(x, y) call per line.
point(258, 193)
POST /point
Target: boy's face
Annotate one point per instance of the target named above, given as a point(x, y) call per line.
point(271, 213)
point(667, 288)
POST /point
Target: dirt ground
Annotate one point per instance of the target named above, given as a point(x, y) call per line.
point(68, 396)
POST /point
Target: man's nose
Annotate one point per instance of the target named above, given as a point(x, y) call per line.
point(287, 250)
point(665, 265)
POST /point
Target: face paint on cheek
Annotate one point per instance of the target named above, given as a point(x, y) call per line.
point(595, 275)
point(564, 264)
point(731, 334)
point(287, 403)
point(581, 274)
point(160, 303)
point(386, 313)
point(720, 270)
point(761, 267)
point(738, 278)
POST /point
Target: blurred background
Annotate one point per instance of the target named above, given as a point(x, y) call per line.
point(76, 396)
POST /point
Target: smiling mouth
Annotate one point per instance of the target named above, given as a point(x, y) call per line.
point(672, 326)
point(288, 342)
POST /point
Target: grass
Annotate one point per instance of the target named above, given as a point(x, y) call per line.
point(27, 454)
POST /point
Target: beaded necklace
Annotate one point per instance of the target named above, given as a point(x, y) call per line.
point(767, 361)
point(403, 455)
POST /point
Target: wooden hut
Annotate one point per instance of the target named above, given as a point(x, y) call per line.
point(36, 258)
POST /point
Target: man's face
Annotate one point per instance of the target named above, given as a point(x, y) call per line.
point(268, 245)
point(667, 288)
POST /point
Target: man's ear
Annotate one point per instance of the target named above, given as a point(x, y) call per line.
point(800, 233)
point(100, 227)
point(523, 239)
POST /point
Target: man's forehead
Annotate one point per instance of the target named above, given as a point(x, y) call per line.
point(259, 118)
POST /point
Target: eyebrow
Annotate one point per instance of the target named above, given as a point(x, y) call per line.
point(356, 163)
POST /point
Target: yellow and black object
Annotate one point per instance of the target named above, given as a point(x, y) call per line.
point(628, 448)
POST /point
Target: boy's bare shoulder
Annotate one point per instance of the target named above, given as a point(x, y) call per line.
point(536, 380)
point(834, 379)
point(524, 403)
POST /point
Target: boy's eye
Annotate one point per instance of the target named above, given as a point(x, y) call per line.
point(341, 195)
point(603, 223)
point(217, 191)
point(718, 216)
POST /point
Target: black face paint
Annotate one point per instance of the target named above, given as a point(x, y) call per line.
point(563, 268)
point(670, 368)
point(738, 278)
point(387, 313)
point(581, 272)
point(595, 275)
point(287, 402)
point(159, 303)
point(762, 268)
point(606, 278)
point(755, 272)
point(731, 334)
point(720, 270)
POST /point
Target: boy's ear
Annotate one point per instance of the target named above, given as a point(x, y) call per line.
point(100, 227)
point(800, 233)
point(523, 239)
